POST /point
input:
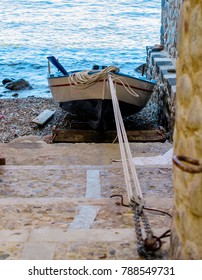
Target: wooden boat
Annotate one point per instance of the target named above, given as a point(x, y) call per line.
point(87, 93)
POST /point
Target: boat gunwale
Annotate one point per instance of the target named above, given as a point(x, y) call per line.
point(118, 83)
point(52, 76)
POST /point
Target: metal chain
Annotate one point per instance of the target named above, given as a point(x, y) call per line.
point(148, 246)
point(140, 241)
point(138, 230)
point(146, 224)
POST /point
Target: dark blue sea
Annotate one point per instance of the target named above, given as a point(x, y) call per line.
point(79, 33)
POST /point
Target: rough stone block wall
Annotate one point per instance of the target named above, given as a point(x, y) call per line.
point(169, 25)
point(186, 241)
point(161, 65)
point(161, 68)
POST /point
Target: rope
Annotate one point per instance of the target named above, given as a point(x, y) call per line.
point(126, 85)
point(126, 155)
point(145, 247)
point(84, 79)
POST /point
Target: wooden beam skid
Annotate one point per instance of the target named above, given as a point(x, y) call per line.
point(94, 136)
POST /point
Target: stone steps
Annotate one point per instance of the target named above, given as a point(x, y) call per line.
point(32, 150)
point(45, 208)
point(55, 201)
point(47, 243)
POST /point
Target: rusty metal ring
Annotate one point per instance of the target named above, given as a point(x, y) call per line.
point(152, 244)
point(180, 161)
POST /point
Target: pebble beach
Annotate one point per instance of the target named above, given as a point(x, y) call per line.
point(16, 117)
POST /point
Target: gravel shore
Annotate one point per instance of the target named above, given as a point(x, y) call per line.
point(16, 117)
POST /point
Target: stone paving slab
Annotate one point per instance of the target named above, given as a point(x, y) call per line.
point(38, 251)
point(85, 218)
point(96, 250)
point(83, 235)
point(14, 235)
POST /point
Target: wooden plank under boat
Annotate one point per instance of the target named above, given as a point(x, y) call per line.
point(95, 136)
point(93, 101)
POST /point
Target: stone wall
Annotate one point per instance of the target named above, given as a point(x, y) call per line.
point(169, 25)
point(186, 241)
point(161, 66)
point(179, 103)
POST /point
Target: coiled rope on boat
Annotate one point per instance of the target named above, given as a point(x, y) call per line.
point(84, 79)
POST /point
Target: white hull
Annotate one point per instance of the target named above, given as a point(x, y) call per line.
point(62, 91)
point(94, 102)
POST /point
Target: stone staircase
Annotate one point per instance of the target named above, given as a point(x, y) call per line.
point(55, 200)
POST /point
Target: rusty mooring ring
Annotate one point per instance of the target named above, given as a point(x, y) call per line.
point(182, 162)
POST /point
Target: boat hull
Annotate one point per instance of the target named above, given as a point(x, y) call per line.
point(98, 112)
point(94, 102)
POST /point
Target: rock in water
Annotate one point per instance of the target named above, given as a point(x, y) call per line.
point(6, 81)
point(18, 85)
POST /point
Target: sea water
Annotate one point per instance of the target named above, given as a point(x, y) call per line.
point(79, 33)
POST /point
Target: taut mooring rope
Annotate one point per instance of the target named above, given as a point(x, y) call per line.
point(145, 246)
point(126, 155)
